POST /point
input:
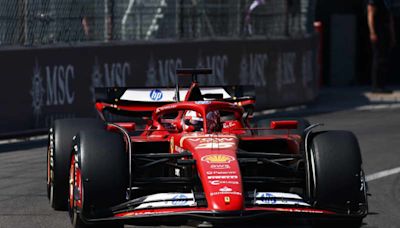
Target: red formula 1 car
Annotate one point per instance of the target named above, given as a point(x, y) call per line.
point(200, 160)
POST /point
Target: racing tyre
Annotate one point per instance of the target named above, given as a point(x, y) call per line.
point(98, 177)
point(339, 180)
point(58, 157)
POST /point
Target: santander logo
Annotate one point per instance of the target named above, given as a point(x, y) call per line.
point(225, 189)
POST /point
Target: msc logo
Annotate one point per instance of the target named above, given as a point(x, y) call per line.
point(217, 158)
point(53, 87)
point(156, 95)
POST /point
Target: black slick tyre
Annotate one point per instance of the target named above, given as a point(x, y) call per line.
point(339, 182)
point(58, 157)
point(103, 166)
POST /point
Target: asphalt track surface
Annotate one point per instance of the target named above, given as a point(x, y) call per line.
point(23, 200)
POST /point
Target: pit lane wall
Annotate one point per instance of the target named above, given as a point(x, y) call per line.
point(39, 85)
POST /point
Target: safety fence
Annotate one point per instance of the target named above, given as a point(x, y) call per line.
point(44, 22)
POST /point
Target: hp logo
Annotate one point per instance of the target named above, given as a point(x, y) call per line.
point(156, 95)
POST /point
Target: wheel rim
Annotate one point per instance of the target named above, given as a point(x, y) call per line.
point(71, 183)
point(50, 164)
point(364, 187)
point(48, 170)
point(75, 189)
point(50, 187)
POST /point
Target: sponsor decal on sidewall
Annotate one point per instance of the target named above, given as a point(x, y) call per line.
point(223, 177)
point(211, 140)
point(156, 95)
point(179, 149)
point(221, 172)
point(220, 166)
point(220, 182)
point(225, 189)
point(208, 143)
point(224, 145)
point(268, 198)
point(229, 124)
point(179, 200)
point(165, 107)
point(225, 193)
point(202, 102)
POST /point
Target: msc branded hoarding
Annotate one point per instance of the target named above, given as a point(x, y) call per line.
point(39, 85)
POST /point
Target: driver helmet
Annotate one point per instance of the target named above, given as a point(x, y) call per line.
point(192, 118)
point(213, 121)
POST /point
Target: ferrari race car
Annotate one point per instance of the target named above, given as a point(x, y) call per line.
point(153, 159)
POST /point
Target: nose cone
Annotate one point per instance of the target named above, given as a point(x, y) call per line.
point(219, 170)
point(223, 189)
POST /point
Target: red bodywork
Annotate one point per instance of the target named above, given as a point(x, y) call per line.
point(214, 153)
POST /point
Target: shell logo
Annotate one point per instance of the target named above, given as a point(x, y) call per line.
point(218, 158)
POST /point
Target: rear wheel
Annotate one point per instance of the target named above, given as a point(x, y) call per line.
point(339, 180)
point(98, 177)
point(58, 157)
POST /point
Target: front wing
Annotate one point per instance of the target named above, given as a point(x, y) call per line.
point(183, 207)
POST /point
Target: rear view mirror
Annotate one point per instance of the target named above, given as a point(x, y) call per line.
point(126, 126)
point(129, 126)
point(284, 124)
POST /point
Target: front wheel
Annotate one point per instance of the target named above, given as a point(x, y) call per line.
point(75, 194)
point(98, 177)
point(339, 181)
point(58, 156)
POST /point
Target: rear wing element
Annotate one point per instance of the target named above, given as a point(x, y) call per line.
point(141, 102)
point(192, 72)
point(189, 72)
point(148, 99)
point(167, 95)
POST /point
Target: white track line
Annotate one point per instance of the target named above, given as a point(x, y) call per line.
point(377, 107)
point(382, 174)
